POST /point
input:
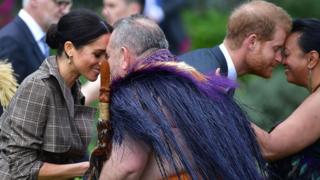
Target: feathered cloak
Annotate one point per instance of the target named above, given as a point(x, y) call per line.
point(157, 97)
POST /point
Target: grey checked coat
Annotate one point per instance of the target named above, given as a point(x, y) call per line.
point(45, 121)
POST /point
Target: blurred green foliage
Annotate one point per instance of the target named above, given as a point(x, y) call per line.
point(300, 9)
point(206, 28)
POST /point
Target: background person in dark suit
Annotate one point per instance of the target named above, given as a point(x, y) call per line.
point(23, 39)
point(256, 32)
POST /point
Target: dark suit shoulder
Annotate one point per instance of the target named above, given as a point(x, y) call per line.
point(190, 56)
point(14, 29)
point(205, 60)
point(20, 48)
point(12, 39)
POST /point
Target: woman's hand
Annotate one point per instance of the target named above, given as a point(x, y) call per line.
point(50, 171)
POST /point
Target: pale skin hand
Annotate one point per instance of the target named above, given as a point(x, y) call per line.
point(299, 130)
point(50, 171)
point(91, 91)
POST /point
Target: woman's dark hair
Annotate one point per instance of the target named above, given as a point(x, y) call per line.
point(80, 26)
point(310, 33)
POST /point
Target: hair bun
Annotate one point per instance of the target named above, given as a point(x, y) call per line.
point(53, 38)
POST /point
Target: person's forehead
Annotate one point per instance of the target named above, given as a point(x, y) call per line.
point(63, 1)
point(279, 37)
point(114, 2)
point(108, 48)
point(292, 40)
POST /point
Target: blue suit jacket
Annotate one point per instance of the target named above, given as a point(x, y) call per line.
point(20, 48)
point(206, 60)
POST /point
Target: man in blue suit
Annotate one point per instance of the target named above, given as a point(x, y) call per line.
point(23, 40)
point(256, 32)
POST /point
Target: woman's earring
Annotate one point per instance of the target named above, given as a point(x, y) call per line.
point(69, 59)
point(310, 80)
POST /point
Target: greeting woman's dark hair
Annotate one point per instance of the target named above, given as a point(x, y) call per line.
point(310, 33)
point(81, 27)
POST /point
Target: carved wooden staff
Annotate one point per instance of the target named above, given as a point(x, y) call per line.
point(103, 150)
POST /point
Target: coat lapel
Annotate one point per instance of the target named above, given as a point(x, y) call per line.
point(221, 60)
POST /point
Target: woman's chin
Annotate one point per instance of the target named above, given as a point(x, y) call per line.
point(287, 74)
point(92, 78)
point(290, 80)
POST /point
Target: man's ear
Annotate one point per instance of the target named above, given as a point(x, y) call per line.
point(126, 58)
point(69, 48)
point(33, 3)
point(251, 41)
point(135, 8)
point(313, 59)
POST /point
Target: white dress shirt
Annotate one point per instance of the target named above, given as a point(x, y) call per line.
point(232, 72)
point(35, 29)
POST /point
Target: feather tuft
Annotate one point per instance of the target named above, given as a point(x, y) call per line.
point(8, 83)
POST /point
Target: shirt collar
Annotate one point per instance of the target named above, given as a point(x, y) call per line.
point(232, 72)
point(34, 27)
